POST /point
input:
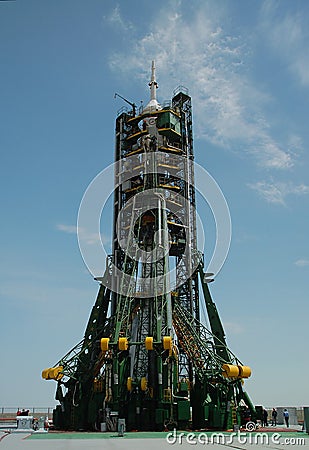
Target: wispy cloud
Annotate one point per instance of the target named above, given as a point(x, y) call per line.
point(201, 54)
point(287, 34)
point(72, 229)
point(115, 19)
point(276, 192)
point(234, 328)
point(87, 237)
point(302, 262)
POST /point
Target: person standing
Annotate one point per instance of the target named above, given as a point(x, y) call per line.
point(265, 418)
point(286, 417)
point(274, 417)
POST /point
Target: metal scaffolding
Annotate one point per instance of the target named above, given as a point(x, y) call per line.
point(146, 357)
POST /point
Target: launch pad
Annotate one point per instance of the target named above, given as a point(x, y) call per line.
point(146, 361)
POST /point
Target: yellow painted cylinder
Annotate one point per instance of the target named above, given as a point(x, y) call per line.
point(45, 373)
point(230, 370)
point(144, 383)
point(149, 343)
point(50, 375)
point(167, 342)
point(55, 373)
point(58, 373)
point(104, 344)
point(129, 384)
point(123, 343)
point(244, 371)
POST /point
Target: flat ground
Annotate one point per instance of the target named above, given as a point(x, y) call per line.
point(277, 438)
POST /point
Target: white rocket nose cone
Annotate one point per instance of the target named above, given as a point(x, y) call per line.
point(153, 104)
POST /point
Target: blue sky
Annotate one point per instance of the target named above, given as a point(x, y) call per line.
point(246, 66)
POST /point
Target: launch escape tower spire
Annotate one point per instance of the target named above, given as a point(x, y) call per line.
point(145, 356)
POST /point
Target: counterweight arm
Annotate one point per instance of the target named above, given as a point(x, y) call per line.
point(214, 319)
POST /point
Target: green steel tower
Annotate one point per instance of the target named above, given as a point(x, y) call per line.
point(146, 361)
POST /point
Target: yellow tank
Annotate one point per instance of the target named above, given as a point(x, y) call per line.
point(104, 344)
point(123, 343)
point(230, 370)
point(244, 371)
point(167, 343)
point(45, 373)
point(129, 384)
point(55, 373)
point(149, 343)
point(144, 383)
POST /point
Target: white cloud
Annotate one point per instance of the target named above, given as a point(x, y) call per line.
point(270, 155)
point(115, 19)
point(72, 229)
point(199, 53)
point(276, 192)
point(87, 237)
point(303, 262)
point(233, 328)
point(287, 34)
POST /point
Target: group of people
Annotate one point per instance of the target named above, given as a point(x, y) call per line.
point(36, 423)
point(274, 414)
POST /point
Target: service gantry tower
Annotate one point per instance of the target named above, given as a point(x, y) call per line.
point(146, 357)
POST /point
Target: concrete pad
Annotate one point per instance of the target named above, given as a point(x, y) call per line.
point(130, 441)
